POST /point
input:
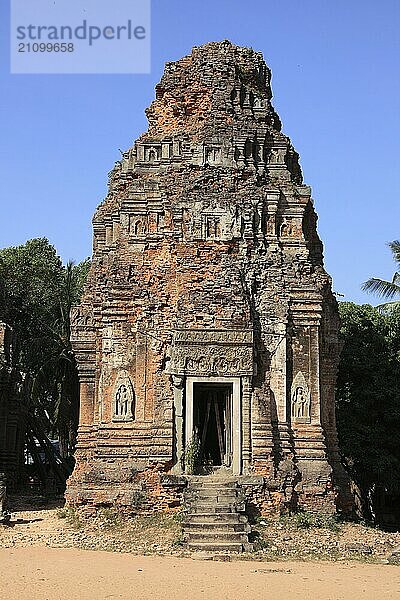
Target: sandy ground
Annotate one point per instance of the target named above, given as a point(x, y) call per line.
point(63, 573)
point(49, 553)
point(161, 534)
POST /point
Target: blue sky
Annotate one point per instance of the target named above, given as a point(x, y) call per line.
point(336, 87)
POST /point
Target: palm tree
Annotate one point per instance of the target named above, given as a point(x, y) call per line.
point(387, 289)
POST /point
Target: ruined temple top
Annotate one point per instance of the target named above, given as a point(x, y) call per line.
point(203, 88)
point(213, 109)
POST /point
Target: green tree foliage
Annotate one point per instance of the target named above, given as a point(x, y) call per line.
point(368, 404)
point(387, 289)
point(36, 295)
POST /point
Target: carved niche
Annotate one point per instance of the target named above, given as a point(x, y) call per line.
point(300, 400)
point(123, 400)
point(138, 224)
point(212, 228)
point(212, 352)
point(213, 155)
point(152, 153)
point(291, 228)
point(277, 156)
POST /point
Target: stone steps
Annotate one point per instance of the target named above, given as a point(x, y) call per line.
point(215, 527)
point(213, 521)
point(216, 547)
point(208, 507)
point(212, 517)
point(215, 492)
point(211, 537)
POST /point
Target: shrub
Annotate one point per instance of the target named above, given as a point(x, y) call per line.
point(308, 520)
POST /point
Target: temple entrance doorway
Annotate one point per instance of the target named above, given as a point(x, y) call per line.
point(212, 418)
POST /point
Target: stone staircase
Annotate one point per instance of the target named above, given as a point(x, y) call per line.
point(214, 516)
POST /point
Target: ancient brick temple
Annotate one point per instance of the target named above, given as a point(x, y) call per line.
point(208, 321)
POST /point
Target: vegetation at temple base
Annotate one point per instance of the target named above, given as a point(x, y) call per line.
point(368, 407)
point(36, 295)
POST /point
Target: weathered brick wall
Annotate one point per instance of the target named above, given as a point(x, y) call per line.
point(207, 226)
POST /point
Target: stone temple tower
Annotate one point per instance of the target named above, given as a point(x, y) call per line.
point(208, 320)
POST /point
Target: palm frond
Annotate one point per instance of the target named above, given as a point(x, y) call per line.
point(387, 307)
point(385, 289)
point(395, 248)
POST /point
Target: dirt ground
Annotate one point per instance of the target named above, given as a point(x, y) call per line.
point(51, 553)
point(39, 573)
point(55, 526)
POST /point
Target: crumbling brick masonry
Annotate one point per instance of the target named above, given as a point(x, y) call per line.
point(208, 325)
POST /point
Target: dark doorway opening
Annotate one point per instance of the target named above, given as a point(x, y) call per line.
point(212, 408)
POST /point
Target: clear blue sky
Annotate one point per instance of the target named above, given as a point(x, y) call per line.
point(336, 87)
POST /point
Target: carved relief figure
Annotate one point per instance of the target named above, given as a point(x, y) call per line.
point(153, 154)
point(131, 272)
point(285, 229)
point(202, 359)
point(213, 155)
point(121, 401)
point(291, 229)
point(300, 400)
point(124, 399)
point(277, 156)
point(213, 228)
point(139, 227)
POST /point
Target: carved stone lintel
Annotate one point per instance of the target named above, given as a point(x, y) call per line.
point(212, 352)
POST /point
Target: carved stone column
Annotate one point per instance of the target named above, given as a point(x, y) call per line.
point(246, 423)
point(315, 487)
point(279, 394)
point(84, 345)
point(178, 383)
